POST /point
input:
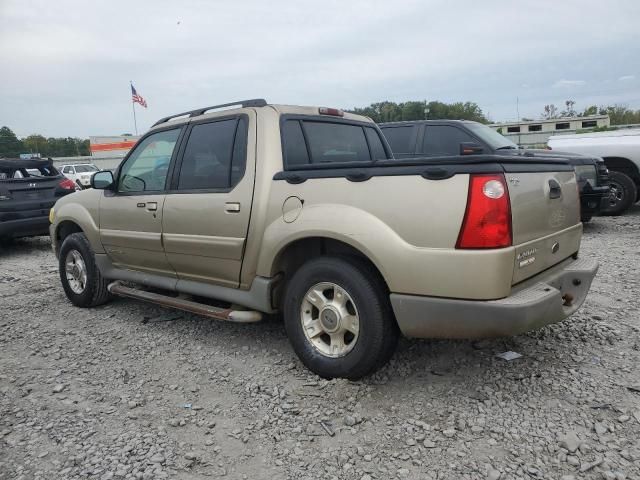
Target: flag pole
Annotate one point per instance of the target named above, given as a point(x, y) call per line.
point(133, 107)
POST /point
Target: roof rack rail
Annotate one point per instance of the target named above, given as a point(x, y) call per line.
point(254, 102)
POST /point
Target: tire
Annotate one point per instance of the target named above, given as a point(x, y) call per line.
point(91, 292)
point(623, 194)
point(586, 217)
point(364, 297)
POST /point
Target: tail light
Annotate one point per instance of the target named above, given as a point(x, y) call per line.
point(487, 220)
point(68, 184)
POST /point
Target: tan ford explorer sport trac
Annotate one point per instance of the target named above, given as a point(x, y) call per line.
point(245, 209)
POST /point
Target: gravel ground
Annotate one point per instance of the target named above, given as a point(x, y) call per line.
point(130, 390)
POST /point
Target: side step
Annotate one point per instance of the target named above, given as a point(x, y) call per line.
point(229, 315)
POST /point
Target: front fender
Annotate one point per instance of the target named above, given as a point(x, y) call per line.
point(82, 209)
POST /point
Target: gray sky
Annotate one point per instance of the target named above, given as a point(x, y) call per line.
point(66, 65)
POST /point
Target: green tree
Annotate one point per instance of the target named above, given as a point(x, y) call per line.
point(10, 145)
point(36, 144)
point(550, 111)
point(416, 110)
point(620, 114)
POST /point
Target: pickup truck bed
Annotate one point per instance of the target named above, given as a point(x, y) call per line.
point(435, 138)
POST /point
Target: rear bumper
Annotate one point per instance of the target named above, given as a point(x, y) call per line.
point(533, 304)
point(25, 227)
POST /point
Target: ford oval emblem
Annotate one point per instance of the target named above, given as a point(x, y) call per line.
point(555, 247)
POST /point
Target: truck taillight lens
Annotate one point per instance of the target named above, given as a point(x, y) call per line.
point(67, 184)
point(487, 220)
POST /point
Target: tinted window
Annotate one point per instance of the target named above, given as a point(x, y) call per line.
point(295, 149)
point(562, 126)
point(444, 140)
point(375, 144)
point(85, 168)
point(399, 139)
point(336, 142)
point(146, 168)
point(239, 160)
point(206, 162)
point(535, 128)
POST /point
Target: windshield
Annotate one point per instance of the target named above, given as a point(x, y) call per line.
point(490, 136)
point(86, 168)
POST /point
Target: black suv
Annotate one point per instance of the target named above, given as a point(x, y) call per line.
point(438, 138)
point(28, 189)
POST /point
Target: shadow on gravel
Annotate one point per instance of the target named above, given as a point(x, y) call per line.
point(21, 246)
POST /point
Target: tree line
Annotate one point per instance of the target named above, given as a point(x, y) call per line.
point(618, 114)
point(11, 146)
point(416, 110)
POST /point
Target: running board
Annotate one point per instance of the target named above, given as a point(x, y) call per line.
point(229, 315)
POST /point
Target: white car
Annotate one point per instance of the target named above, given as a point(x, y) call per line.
point(620, 150)
point(80, 173)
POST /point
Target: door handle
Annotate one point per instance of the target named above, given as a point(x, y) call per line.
point(232, 207)
point(152, 206)
point(555, 190)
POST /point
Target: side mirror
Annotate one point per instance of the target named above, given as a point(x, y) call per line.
point(470, 148)
point(102, 180)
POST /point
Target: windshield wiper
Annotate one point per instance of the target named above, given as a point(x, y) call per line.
point(507, 147)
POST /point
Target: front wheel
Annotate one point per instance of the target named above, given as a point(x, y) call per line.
point(622, 195)
point(338, 317)
point(81, 280)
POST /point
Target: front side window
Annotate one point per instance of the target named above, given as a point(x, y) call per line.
point(68, 170)
point(147, 167)
point(215, 155)
point(444, 140)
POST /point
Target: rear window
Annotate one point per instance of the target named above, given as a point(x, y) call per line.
point(312, 142)
point(9, 172)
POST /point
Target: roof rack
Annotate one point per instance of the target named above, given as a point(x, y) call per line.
point(254, 102)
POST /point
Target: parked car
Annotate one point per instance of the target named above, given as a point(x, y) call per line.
point(304, 211)
point(28, 189)
point(437, 138)
point(80, 173)
point(620, 150)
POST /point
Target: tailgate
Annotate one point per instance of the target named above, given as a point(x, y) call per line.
point(26, 198)
point(545, 212)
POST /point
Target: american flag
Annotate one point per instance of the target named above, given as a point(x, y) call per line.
point(137, 98)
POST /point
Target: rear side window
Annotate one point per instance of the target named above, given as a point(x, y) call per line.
point(213, 157)
point(399, 139)
point(295, 148)
point(316, 142)
point(375, 144)
point(336, 143)
point(444, 140)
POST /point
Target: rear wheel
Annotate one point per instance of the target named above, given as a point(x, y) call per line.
point(622, 195)
point(338, 318)
point(81, 280)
